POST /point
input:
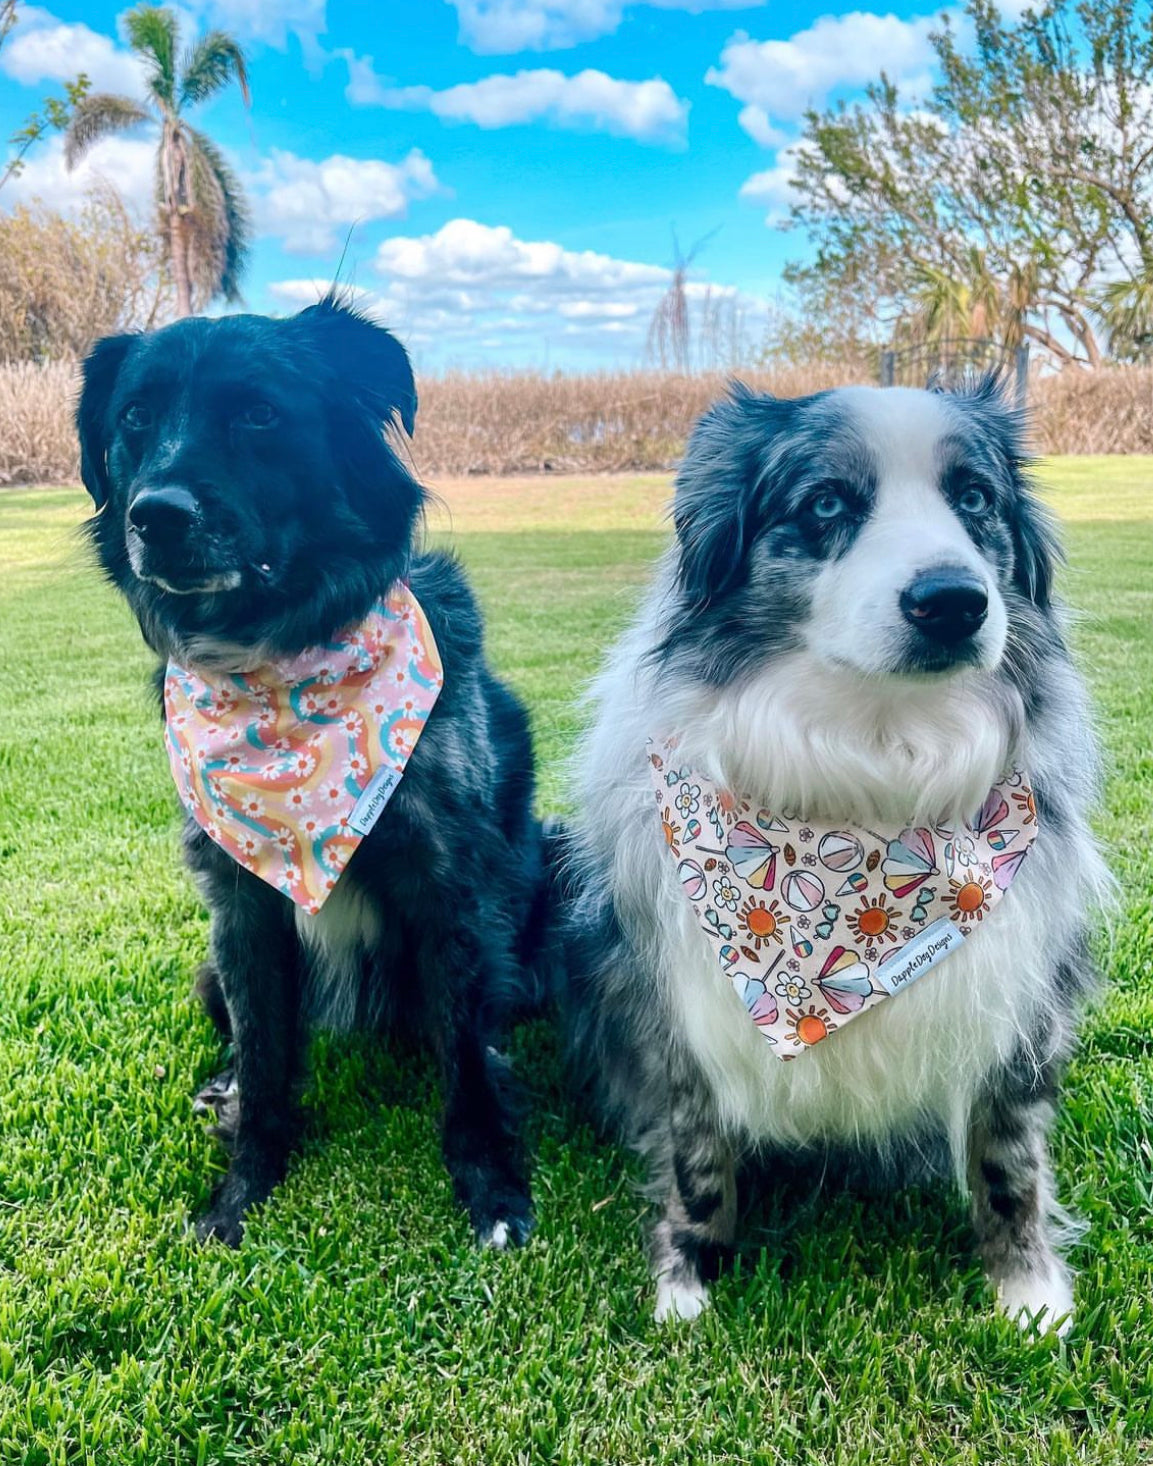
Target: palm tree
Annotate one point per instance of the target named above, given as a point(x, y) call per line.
point(201, 214)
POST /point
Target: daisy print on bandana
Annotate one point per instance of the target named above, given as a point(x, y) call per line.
point(288, 767)
point(831, 921)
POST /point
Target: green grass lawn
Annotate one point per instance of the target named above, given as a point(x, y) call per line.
point(357, 1324)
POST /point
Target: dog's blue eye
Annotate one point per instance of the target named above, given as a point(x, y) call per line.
point(259, 415)
point(136, 416)
point(827, 505)
point(973, 501)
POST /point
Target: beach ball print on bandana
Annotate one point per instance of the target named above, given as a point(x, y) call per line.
point(289, 766)
point(813, 925)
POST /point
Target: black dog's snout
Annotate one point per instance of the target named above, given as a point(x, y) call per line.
point(947, 604)
point(163, 515)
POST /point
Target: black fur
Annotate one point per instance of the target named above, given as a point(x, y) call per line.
point(278, 430)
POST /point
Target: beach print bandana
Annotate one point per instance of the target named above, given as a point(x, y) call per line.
point(815, 924)
point(289, 766)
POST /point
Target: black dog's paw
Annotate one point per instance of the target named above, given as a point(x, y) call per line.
point(502, 1219)
point(220, 1224)
point(220, 1097)
point(243, 1188)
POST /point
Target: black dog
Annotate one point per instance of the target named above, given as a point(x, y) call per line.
point(250, 507)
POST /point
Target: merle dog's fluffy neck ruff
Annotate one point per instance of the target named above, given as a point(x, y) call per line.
point(783, 643)
point(250, 506)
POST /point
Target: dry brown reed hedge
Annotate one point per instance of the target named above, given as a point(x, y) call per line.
point(37, 440)
point(521, 423)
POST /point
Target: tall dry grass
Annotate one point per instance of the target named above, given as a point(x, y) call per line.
point(1107, 411)
point(37, 439)
point(604, 422)
point(523, 423)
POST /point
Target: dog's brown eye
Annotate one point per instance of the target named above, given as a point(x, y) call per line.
point(258, 415)
point(136, 416)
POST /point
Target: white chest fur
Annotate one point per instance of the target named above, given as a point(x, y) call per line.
point(336, 941)
point(919, 1057)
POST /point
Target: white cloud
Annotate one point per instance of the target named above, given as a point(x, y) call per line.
point(649, 111)
point(771, 186)
point(578, 310)
point(782, 79)
point(755, 121)
point(502, 27)
point(306, 202)
point(42, 48)
point(267, 21)
point(472, 283)
point(127, 162)
point(466, 253)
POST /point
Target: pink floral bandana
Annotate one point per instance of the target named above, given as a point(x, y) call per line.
point(813, 925)
point(289, 766)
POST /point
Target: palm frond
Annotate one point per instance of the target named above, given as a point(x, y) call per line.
point(210, 65)
point(97, 116)
point(7, 18)
point(1126, 309)
point(222, 221)
point(152, 34)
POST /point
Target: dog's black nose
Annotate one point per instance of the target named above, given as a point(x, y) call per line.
point(163, 515)
point(946, 604)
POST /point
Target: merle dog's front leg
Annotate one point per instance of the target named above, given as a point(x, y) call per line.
point(255, 953)
point(481, 1147)
point(1011, 1186)
point(694, 1162)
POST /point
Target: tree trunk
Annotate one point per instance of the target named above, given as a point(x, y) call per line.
point(174, 183)
point(178, 252)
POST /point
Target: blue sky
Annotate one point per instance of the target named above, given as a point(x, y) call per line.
point(511, 170)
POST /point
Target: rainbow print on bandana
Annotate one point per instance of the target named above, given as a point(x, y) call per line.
point(287, 767)
point(859, 915)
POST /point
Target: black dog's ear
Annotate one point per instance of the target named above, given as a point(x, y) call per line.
point(366, 356)
point(101, 367)
point(716, 492)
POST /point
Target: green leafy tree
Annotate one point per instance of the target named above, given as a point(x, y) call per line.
point(1015, 201)
point(202, 216)
point(55, 113)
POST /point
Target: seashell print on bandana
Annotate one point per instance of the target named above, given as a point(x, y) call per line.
point(814, 924)
point(289, 766)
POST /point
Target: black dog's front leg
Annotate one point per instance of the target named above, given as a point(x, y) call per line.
point(481, 1148)
point(255, 953)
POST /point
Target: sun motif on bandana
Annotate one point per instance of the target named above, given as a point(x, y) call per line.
point(1027, 805)
point(762, 923)
point(809, 1025)
point(730, 804)
point(671, 832)
point(874, 920)
point(969, 900)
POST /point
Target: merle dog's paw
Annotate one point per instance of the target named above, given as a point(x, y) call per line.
point(220, 1097)
point(503, 1220)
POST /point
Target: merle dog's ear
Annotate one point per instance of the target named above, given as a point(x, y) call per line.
point(100, 370)
point(1036, 548)
point(367, 357)
point(716, 491)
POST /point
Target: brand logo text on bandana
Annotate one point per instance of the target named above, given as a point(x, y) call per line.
point(288, 767)
point(812, 924)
